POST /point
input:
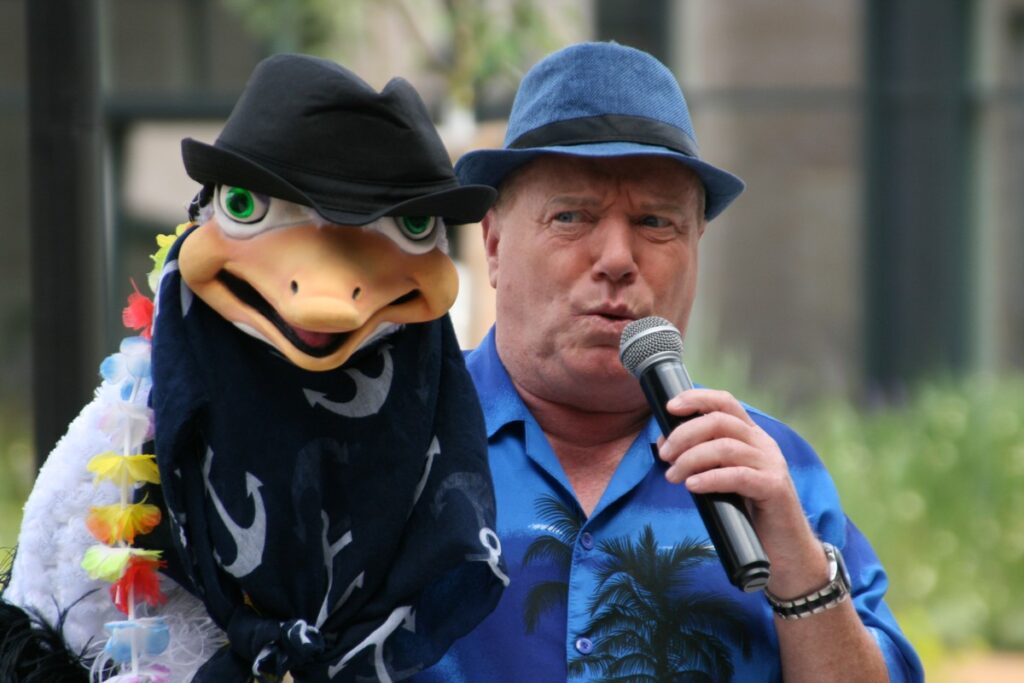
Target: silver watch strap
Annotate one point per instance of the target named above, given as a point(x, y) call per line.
point(833, 593)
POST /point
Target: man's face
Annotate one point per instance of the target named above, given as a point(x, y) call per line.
point(577, 248)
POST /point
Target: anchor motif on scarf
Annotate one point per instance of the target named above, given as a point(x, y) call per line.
point(401, 616)
point(472, 487)
point(250, 540)
point(331, 551)
point(371, 392)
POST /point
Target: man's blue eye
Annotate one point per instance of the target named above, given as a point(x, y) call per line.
point(566, 216)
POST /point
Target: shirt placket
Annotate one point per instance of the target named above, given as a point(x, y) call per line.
point(587, 556)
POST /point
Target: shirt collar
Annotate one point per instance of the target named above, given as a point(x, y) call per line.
point(498, 396)
point(499, 399)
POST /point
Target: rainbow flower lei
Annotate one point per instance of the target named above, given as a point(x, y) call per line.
point(133, 643)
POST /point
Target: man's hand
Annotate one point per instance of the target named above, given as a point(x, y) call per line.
point(724, 451)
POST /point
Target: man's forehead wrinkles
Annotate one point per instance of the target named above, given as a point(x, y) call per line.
point(662, 207)
point(649, 184)
point(647, 197)
point(640, 196)
point(580, 199)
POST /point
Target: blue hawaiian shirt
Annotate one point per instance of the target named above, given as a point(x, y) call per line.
point(635, 591)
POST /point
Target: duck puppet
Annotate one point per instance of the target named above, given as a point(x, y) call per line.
point(291, 475)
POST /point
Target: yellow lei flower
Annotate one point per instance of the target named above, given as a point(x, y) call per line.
point(108, 564)
point(113, 523)
point(115, 467)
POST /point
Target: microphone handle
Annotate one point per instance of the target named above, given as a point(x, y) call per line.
point(724, 514)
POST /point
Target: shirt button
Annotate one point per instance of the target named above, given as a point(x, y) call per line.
point(584, 646)
point(587, 540)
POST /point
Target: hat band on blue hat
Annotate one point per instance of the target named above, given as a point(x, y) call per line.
point(607, 128)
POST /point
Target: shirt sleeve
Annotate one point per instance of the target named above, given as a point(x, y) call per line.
point(821, 503)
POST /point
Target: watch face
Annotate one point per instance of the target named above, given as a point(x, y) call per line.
point(841, 573)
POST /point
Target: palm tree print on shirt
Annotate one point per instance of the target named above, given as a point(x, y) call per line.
point(564, 523)
point(648, 622)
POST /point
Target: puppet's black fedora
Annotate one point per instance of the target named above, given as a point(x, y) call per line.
point(310, 131)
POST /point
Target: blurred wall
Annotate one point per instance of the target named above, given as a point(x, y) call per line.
point(881, 237)
point(773, 88)
point(160, 60)
point(14, 296)
point(997, 174)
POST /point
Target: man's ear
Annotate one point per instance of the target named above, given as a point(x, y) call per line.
point(492, 235)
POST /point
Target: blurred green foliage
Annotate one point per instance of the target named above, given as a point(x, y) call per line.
point(17, 471)
point(466, 42)
point(937, 485)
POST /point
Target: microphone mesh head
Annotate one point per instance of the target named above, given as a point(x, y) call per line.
point(646, 337)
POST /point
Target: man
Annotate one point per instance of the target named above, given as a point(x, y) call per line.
point(602, 203)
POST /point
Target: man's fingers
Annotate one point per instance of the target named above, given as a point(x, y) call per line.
point(712, 455)
point(747, 482)
point(705, 401)
point(737, 480)
point(709, 427)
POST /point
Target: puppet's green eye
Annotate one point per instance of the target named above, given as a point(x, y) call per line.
point(416, 227)
point(242, 205)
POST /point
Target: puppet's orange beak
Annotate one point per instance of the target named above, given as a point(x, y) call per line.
point(315, 292)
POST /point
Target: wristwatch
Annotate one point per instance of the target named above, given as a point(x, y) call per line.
point(835, 591)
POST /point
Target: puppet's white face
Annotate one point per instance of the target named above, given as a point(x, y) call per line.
point(316, 291)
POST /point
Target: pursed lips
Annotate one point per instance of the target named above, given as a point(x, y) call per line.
point(612, 312)
point(609, 319)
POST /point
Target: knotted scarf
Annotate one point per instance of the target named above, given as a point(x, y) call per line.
point(337, 525)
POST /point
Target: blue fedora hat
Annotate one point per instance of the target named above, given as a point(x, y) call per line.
point(600, 100)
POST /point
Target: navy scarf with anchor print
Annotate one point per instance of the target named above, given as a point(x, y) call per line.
point(337, 525)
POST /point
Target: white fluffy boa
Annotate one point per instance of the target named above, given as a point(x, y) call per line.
point(47, 574)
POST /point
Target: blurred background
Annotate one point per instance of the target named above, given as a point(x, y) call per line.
point(867, 287)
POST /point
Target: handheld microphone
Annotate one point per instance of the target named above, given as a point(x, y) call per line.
point(651, 349)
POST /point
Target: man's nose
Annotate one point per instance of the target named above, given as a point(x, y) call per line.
point(614, 250)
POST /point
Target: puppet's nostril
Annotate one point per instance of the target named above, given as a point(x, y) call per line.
point(356, 292)
point(295, 287)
